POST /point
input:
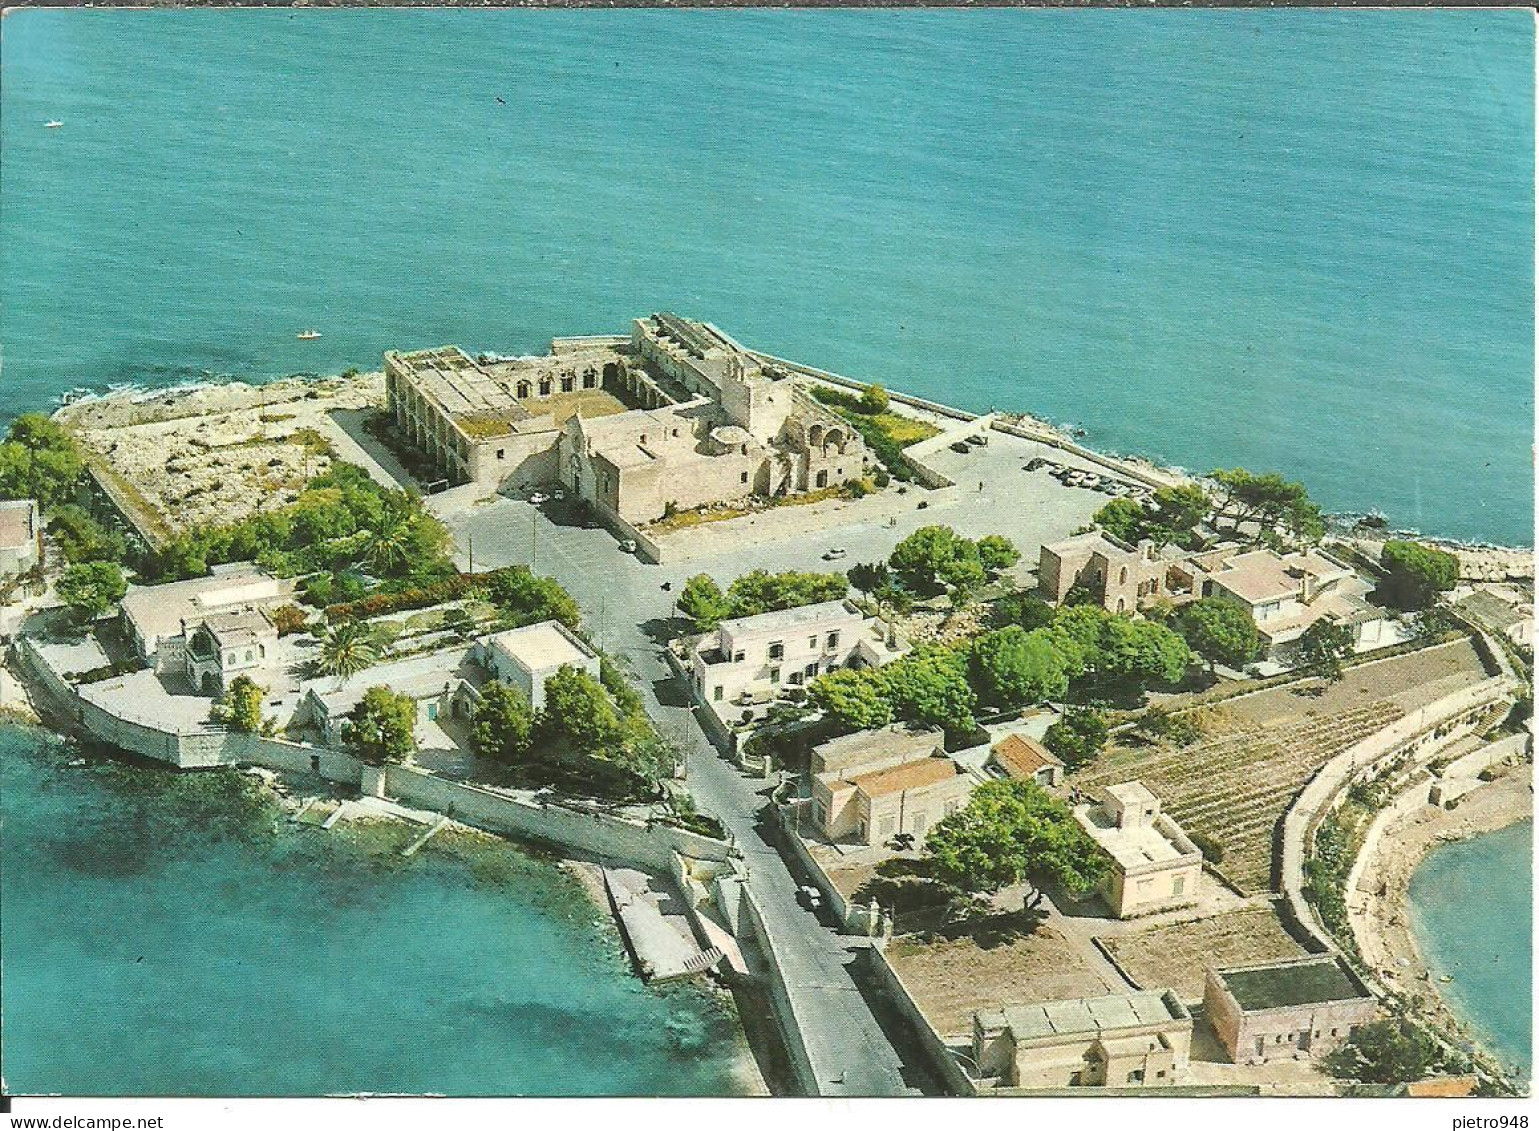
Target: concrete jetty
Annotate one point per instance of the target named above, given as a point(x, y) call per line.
point(655, 927)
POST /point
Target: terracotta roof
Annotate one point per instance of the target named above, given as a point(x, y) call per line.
point(1022, 757)
point(909, 775)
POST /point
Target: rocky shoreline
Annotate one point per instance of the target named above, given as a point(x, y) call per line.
point(1383, 928)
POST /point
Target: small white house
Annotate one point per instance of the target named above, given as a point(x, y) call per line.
point(751, 659)
point(526, 657)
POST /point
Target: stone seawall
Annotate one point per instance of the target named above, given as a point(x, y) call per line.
point(1416, 732)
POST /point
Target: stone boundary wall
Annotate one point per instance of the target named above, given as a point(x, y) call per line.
point(785, 1011)
point(1328, 782)
point(722, 736)
point(945, 1065)
point(592, 833)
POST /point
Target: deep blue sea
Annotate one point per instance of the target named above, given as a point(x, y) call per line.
point(174, 935)
point(1472, 914)
point(1299, 240)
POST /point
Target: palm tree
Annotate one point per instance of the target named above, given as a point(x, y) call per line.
point(346, 649)
point(387, 547)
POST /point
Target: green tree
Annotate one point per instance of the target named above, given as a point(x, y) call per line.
point(1392, 1051)
point(873, 400)
point(1179, 510)
point(1021, 607)
point(761, 591)
point(856, 700)
point(962, 575)
point(1124, 519)
point(503, 729)
point(40, 460)
point(91, 588)
point(1012, 832)
point(240, 708)
point(1078, 737)
point(388, 547)
point(1416, 573)
point(997, 553)
point(1016, 667)
point(1268, 499)
point(82, 538)
point(1220, 631)
point(579, 712)
point(868, 577)
point(346, 649)
point(1324, 645)
point(702, 601)
point(524, 598)
point(382, 727)
point(919, 558)
point(931, 688)
point(1142, 652)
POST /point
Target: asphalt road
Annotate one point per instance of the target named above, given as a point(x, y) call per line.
point(629, 613)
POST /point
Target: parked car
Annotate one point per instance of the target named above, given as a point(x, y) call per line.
point(628, 545)
point(977, 439)
point(809, 897)
point(834, 554)
point(1034, 464)
point(961, 446)
point(539, 498)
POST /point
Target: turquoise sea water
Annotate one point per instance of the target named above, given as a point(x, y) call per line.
point(173, 935)
point(1472, 914)
point(1294, 240)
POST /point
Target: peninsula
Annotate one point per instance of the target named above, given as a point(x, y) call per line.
point(974, 760)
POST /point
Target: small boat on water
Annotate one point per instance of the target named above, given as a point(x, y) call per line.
point(52, 124)
point(308, 335)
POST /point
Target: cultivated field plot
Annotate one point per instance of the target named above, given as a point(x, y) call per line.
point(1177, 954)
point(1236, 787)
point(951, 979)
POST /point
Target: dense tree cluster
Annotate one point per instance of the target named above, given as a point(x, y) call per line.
point(936, 559)
point(1394, 1050)
point(341, 519)
point(1172, 519)
point(759, 591)
point(1324, 645)
point(1078, 737)
point(595, 725)
point(40, 460)
point(1268, 500)
point(240, 707)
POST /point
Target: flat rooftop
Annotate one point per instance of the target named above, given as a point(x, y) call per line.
point(158, 610)
point(1131, 847)
point(1085, 1016)
point(1308, 981)
point(543, 646)
point(788, 619)
point(1262, 575)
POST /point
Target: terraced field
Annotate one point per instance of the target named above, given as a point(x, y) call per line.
point(1236, 786)
point(1177, 954)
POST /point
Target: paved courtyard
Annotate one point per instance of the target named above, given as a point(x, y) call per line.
point(1029, 508)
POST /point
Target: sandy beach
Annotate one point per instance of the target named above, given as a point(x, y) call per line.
point(1380, 918)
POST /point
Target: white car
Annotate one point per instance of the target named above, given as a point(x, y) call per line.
point(628, 545)
point(539, 498)
point(834, 555)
